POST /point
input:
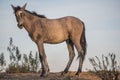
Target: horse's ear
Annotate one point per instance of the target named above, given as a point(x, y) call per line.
point(13, 7)
point(24, 6)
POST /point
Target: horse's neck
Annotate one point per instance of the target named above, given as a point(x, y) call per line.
point(28, 22)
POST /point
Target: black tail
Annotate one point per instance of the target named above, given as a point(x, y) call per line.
point(83, 39)
point(83, 42)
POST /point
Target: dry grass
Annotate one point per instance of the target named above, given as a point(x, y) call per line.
point(51, 76)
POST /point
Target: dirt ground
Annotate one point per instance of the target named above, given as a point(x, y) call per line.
point(51, 76)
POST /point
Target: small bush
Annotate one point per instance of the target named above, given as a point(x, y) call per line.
point(28, 65)
point(19, 64)
point(107, 68)
point(2, 62)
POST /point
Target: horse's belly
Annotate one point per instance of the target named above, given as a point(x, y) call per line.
point(56, 38)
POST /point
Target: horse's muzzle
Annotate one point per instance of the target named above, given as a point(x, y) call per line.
point(20, 26)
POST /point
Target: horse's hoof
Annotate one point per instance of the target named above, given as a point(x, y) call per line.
point(77, 73)
point(63, 73)
point(44, 75)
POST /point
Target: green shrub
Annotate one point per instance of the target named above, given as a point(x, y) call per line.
point(27, 64)
point(107, 68)
point(2, 62)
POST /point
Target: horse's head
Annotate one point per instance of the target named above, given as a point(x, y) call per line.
point(20, 14)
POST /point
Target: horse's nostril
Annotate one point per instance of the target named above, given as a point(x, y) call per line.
point(19, 25)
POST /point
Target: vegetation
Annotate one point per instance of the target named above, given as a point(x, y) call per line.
point(2, 62)
point(107, 68)
point(19, 63)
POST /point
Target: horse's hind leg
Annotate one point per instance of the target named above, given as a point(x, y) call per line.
point(80, 55)
point(71, 55)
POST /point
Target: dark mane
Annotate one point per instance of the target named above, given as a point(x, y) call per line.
point(33, 13)
point(39, 15)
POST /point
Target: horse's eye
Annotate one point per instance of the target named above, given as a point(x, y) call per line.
point(22, 14)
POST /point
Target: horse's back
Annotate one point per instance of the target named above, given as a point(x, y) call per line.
point(61, 29)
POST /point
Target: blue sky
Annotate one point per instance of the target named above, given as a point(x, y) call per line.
point(101, 18)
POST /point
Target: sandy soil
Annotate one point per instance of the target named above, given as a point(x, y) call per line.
point(51, 76)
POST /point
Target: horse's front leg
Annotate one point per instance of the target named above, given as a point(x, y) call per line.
point(43, 60)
